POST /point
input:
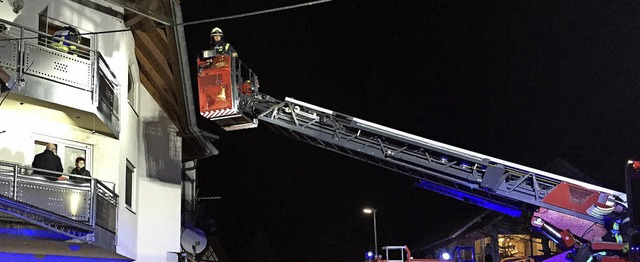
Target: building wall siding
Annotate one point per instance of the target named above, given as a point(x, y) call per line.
point(148, 139)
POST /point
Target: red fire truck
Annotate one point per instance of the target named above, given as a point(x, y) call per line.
point(403, 254)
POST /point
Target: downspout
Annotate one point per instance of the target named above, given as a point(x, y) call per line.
point(203, 137)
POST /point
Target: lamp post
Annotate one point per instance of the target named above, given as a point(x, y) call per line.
point(375, 228)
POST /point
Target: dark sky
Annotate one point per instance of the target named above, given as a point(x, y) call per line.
point(525, 81)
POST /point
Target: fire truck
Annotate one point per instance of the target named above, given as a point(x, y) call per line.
point(403, 254)
point(586, 221)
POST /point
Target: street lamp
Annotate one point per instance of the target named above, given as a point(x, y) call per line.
point(375, 229)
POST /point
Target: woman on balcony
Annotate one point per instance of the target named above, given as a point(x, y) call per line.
point(80, 170)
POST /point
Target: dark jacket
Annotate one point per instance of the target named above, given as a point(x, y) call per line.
point(49, 161)
point(81, 172)
point(222, 47)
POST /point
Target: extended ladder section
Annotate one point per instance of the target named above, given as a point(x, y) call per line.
point(479, 179)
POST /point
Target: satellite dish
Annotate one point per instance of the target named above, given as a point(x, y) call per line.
point(193, 240)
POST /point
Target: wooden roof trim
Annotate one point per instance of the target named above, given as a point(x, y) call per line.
point(154, 55)
point(131, 19)
point(174, 63)
point(157, 84)
point(143, 7)
point(149, 87)
point(147, 68)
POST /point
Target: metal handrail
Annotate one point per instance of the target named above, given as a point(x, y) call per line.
point(96, 188)
point(28, 38)
point(105, 187)
point(43, 38)
point(109, 77)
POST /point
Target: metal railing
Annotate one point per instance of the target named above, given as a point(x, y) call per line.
point(84, 203)
point(60, 71)
point(242, 73)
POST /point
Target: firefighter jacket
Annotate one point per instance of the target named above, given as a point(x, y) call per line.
point(58, 43)
point(222, 47)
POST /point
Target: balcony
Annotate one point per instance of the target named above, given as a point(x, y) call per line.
point(84, 211)
point(78, 82)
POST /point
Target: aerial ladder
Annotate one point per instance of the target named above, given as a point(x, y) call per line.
point(585, 220)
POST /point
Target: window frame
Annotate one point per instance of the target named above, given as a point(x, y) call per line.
point(133, 90)
point(130, 183)
point(62, 145)
point(50, 25)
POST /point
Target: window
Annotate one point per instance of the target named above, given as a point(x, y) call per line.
point(68, 151)
point(51, 25)
point(132, 91)
point(129, 185)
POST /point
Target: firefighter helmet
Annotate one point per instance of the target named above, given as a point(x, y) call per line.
point(67, 33)
point(216, 31)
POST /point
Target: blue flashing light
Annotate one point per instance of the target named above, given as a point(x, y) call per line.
point(5, 256)
point(74, 247)
point(370, 255)
point(445, 256)
point(34, 233)
point(460, 195)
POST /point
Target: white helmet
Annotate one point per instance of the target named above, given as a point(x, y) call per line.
point(216, 31)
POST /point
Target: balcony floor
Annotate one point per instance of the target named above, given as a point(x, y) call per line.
point(10, 245)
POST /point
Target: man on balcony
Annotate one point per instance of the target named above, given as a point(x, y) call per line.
point(48, 160)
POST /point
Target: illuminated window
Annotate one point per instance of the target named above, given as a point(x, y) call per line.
point(68, 151)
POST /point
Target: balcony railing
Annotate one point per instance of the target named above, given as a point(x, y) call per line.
point(78, 78)
point(87, 211)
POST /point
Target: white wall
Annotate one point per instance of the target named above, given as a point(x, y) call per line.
point(22, 122)
point(151, 229)
point(161, 229)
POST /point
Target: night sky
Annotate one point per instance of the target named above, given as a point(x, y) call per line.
point(529, 82)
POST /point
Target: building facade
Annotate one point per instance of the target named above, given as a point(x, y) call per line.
point(106, 81)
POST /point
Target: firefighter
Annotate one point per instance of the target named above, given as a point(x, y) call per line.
point(218, 43)
point(67, 33)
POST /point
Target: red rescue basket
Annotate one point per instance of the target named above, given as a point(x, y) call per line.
point(220, 89)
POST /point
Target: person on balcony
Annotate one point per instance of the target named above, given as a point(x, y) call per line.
point(48, 160)
point(64, 40)
point(81, 171)
point(219, 45)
